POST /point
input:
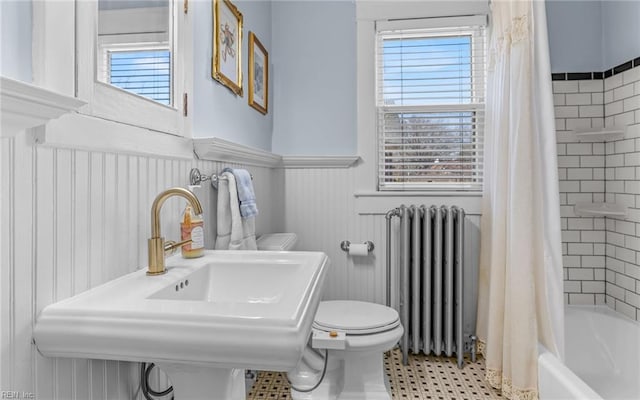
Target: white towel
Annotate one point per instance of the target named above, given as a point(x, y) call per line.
point(223, 216)
point(246, 194)
point(234, 232)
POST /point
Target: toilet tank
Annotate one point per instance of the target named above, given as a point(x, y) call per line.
point(277, 241)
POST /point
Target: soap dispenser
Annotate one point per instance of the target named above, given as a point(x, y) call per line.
point(192, 227)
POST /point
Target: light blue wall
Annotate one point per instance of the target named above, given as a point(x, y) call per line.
point(575, 35)
point(314, 77)
point(621, 31)
point(587, 35)
point(217, 111)
point(312, 49)
point(15, 40)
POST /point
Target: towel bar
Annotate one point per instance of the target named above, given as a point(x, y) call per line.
point(196, 178)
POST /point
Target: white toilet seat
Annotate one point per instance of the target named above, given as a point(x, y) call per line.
point(355, 317)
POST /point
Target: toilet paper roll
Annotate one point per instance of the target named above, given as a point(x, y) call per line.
point(356, 249)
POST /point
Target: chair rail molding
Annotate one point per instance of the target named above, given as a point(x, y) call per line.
point(25, 106)
point(216, 149)
point(319, 161)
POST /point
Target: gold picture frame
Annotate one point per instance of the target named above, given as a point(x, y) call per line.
point(227, 45)
point(258, 75)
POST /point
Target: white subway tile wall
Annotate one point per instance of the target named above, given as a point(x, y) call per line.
point(581, 169)
point(600, 255)
point(622, 171)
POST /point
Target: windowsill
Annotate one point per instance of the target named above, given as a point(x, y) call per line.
point(379, 203)
point(83, 132)
point(417, 194)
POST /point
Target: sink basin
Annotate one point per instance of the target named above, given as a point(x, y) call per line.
point(255, 287)
point(228, 309)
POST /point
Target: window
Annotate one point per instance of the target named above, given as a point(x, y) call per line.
point(132, 60)
point(430, 105)
point(145, 72)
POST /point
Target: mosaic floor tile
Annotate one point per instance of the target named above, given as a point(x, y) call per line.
point(425, 378)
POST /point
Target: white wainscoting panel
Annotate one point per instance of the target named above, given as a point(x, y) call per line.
point(74, 219)
point(322, 210)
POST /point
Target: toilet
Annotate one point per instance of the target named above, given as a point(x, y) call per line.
point(353, 334)
point(356, 371)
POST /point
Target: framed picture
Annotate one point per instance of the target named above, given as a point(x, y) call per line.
point(258, 74)
point(227, 45)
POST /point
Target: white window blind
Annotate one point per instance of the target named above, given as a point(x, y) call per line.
point(144, 72)
point(430, 102)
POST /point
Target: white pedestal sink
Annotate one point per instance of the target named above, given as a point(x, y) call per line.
point(192, 382)
point(203, 322)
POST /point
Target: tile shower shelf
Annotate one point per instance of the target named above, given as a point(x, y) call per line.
point(599, 134)
point(600, 210)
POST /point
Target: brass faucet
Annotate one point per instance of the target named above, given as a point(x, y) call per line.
point(157, 245)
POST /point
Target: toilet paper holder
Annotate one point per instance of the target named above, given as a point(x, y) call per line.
point(344, 245)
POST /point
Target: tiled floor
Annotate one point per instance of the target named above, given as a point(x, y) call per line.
point(426, 377)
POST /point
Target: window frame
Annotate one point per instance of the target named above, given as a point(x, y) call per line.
point(424, 28)
point(113, 103)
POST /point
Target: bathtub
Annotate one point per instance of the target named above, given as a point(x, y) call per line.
point(602, 357)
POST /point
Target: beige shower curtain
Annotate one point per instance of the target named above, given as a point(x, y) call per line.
point(520, 284)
